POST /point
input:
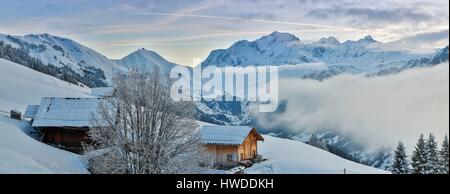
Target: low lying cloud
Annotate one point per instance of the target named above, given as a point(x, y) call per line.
point(420, 43)
point(376, 111)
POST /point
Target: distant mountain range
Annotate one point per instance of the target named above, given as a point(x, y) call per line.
point(365, 55)
point(70, 55)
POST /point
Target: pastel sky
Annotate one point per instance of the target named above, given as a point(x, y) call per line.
point(183, 29)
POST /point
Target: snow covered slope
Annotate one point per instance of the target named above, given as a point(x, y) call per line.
point(293, 157)
point(284, 156)
point(21, 86)
point(20, 153)
point(63, 52)
point(144, 58)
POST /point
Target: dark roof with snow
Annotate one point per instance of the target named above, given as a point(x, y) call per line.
point(225, 135)
point(65, 112)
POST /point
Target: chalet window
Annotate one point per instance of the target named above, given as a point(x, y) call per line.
point(254, 153)
point(242, 156)
point(229, 157)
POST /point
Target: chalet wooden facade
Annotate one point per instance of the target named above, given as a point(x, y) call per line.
point(64, 122)
point(67, 138)
point(230, 145)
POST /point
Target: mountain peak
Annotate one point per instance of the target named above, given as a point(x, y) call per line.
point(329, 40)
point(144, 51)
point(143, 58)
point(369, 38)
point(281, 36)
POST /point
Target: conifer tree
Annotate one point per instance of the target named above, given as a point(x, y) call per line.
point(432, 166)
point(443, 156)
point(400, 164)
point(419, 157)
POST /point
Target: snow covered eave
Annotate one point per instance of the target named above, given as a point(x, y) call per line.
point(222, 144)
point(80, 128)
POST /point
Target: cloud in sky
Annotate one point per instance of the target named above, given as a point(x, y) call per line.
point(377, 111)
point(203, 25)
point(423, 42)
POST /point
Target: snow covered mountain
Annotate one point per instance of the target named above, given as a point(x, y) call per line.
point(365, 55)
point(73, 62)
point(65, 53)
point(274, 49)
point(144, 58)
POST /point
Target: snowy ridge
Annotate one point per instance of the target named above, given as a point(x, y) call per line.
point(63, 52)
point(365, 55)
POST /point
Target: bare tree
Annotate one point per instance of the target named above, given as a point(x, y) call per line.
point(141, 130)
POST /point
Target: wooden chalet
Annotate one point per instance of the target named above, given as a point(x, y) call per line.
point(230, 145)
point(64, 122)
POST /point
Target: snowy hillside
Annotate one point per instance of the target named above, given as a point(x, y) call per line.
point(144, 58)
point(63, 52)
point(21, 86)
point(19, 153)
point(288, 156)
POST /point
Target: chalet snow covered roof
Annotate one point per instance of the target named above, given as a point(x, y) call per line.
point(225, 135)
point(31, 111)
point(65, 112)
point(102, 91)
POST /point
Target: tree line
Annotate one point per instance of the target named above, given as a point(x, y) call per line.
point(426, 158)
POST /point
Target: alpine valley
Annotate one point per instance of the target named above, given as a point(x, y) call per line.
point(70, 61)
